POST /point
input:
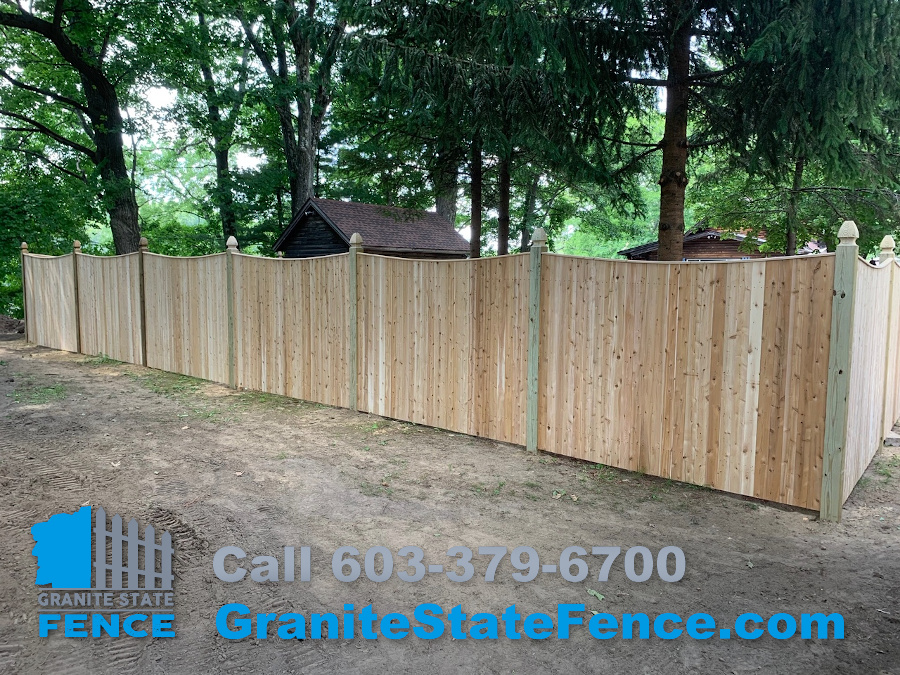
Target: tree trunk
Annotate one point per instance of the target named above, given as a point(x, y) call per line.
point(446, 183)
point(224, 193)
point(477, 202)
point(106, 123)
point(503, 207)
point(673, 180)
point(791, 223)
point(528, 219)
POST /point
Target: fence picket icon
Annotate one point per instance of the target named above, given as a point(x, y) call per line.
point(132, 564)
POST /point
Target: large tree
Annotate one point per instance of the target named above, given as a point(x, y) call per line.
point(64, 67)
point(296, 44)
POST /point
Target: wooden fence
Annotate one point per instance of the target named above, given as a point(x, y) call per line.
point(775, 378)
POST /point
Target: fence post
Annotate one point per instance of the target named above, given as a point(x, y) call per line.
point(231, 247)
point(356, 246)
point(76, 252)
point(143, 247)
point(538, 241)
point(838, 392)
point(887, 256)
point(23, 251)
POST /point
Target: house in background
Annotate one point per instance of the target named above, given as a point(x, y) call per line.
point(324, 227)
point(709, 243)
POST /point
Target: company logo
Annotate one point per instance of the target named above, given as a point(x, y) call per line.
point(131, 573)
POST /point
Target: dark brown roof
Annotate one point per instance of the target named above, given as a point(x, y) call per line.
point(385, 228)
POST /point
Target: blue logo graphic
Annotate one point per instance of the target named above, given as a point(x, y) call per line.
point(67, 553)
point(63, 550)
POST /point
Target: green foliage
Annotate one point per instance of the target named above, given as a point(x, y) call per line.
point(543, 86)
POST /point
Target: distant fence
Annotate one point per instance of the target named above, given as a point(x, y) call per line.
point(776, 378)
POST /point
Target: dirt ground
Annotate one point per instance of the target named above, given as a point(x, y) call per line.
point(217, 467)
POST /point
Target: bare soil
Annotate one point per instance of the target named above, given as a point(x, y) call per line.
point(217, 467)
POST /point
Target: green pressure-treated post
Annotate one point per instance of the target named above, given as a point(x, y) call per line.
point(23, 253)
point(143, 249)
point(538, 242)
point(230, 249)
point(837, 399)
point(356, 246)
point(76, 253)
point(886, 257)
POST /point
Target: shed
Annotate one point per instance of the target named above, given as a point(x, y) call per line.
point(703, 243)
point(324, 227)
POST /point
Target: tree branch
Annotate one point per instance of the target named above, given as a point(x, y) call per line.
point(650, 82)
point(43, 92)
point(44, 158)
point(47, 131)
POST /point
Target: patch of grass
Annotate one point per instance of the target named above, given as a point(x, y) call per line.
point(281, 455)
point(602, 472)
point(101, 360)
point(169, 384)
point(370, 490)
point(887, 467)
point(39, 395)
point(499, 487)
point(262, 398)
point(531, 484)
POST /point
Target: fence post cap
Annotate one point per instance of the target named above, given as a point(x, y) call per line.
point(539, 238)
point(849, 233)
point(24, 247)
point(356, 239)
point(887, 244)
point(143, 244)
point(76, 246)
point(279, 254)
point(232, 242)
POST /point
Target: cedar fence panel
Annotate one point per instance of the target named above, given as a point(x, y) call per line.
point(187, 315)
point(292, 326)
point(50, 301)
point(892, 372)
point(707, 373)
point(443, 343)
point(109, 306)
point(869, 357)
point(773, 378)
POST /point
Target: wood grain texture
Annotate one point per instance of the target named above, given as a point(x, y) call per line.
point(50, 298)
point(892, 384)
point(444, 343)
point(292, 326)
point(708, 373)
point(110, 306)
point(187, 316)
point(868, 355)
